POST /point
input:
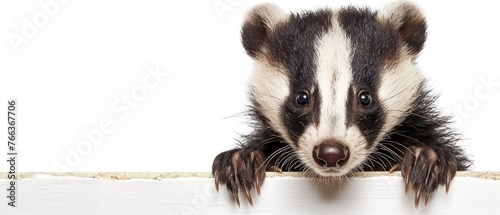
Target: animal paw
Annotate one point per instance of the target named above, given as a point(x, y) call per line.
point(425, 168)
point(241, 170)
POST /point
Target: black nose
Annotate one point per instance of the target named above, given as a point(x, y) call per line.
point(331, 153)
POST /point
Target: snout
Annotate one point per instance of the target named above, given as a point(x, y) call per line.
point(331, 154)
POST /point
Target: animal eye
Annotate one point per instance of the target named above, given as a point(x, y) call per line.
point(302, 98)
point(364, 98)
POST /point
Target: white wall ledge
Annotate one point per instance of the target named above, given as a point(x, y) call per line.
point(282, 193)
point(493, 175)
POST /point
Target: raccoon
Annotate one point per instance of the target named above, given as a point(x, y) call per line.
point(337, 91)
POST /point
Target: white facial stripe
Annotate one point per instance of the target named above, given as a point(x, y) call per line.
point(334, 78)
point(397, 91)
point(270, 88)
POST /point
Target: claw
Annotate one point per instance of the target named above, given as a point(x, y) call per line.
point(407, 186)
point(274, 169)
point(427, 197)
point(417, 198)
point(247, 194)
point(257, 186)
point(237, 199)
point(406, 175)
point(407, 181)
point(448, 181)
point(396, 167)
point(216, 176)
point(450, 175)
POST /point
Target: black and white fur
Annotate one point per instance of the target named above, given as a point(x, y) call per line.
point(337, 91)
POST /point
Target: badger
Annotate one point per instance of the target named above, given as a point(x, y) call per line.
point(338, 91)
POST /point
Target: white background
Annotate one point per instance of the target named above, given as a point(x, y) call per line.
point(72, 72)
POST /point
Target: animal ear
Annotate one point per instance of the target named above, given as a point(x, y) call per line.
point(409, 22)
point(258, 24)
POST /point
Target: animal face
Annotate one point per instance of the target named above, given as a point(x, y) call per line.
point(334, 83)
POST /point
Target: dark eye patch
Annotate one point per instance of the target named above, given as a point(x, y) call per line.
point(364, 111)
point(300, 110)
